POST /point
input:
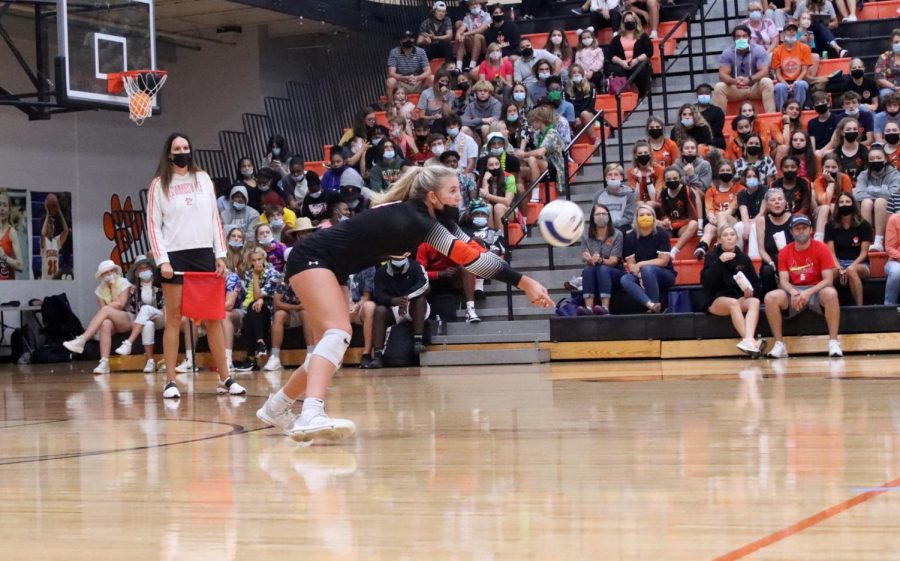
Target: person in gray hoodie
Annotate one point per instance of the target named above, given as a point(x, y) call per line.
point(239, 214)
point(483, 110)
point(874, 188)
point(618, 197)
point(696, 171)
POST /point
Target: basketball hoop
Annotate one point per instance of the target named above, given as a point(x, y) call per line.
point(141, 86)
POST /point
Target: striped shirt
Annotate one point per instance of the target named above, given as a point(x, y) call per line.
point(411, 64)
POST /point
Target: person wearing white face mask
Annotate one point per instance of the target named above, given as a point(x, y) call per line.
point(496, 69)
point(276, 155)
point(239, 214)
point(147, 300)
point(388, 168)
point(462, 144)
point(112, 317)
point(294, 186)
point(557, 44)
point(763, 31)
point(523, 68)
point(247, 178)
point(601, 252)
point(580, 93)
point(589, 56)
point(790, 64)
point(274, 249)
point(400, 289)
point(617, 197)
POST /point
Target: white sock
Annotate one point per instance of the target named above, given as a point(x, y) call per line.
point(459, 64)
point(479, 284)
point(819, 236)
point(281, 399)
point(228, 355)
point(879, 240)
point(312, 406)
point(470, 304)
point(104, 359)
point(674, 251)
point(189, 356)
point(275, 352)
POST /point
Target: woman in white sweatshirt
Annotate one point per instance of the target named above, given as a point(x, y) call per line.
point(186, 236)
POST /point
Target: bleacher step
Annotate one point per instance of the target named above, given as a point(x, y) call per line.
point(472, 357)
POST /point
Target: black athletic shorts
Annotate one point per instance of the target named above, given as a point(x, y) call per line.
point(300, 260)
point(201, 260)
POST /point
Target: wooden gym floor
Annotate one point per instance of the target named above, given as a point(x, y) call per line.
point(681, 460)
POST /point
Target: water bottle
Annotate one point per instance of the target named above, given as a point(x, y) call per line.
point(825, 54)
point(441, 326)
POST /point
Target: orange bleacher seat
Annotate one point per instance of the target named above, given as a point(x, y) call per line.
point(435, 64)
point(542, 197)
point(381, 119)
point(319, 168)
point(877, 261)
point(582, 151)
point(413, 98)
point(656, 60)
point(515, 233)
point(880, 10)
point(734, 106)
point(829, 65)
point(688, 250)
point(666, 26)
point(767, 119)
point(688, 270)
point(533, 210)
point(607, 102)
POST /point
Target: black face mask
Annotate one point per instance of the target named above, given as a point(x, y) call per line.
point(182, 160)
point(876, 166)
point(643, 159)
point(726, 177)
point(798, 150)
point(821, 108)
point(462, 86)
point(744, 136)
point(421, 140)
point(497, 19)
point(851, 136)
point(688, 159)
point(845, 210)
point(406, 43)
point(655, 133)
point(858, 73)
point(630, 25)
point(673, 185)
point(527, 53)
point(448, 215)
point(754, 150)
point(790, 175)
point(892, 137)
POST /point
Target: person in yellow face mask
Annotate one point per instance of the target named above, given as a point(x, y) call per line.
point(646, 252)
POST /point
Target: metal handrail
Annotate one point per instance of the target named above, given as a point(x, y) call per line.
point(686, 19)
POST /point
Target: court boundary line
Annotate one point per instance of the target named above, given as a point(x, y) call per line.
point(808, 522)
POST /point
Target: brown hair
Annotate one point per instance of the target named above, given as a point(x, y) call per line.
point(165, 168)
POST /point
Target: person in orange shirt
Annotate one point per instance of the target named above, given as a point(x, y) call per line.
point(891, 137)
point(747, 109)
point(790, 64)
point(743, 128)
point(645, 177)
point(789, 124)
point(665, 151)
point(721, 202)
point(827, 187)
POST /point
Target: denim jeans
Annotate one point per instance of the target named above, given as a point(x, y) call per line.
point(600, 280)
point(655, 279)
point(781, 93)
point(892, 286)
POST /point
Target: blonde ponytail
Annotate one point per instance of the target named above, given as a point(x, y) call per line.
point(415, 183)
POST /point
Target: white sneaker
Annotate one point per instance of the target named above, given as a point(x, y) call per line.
point(834, 348)
point(778, 350)
point(150, 367)
point(76, 345)
point(274, 363)
point(877, 246)
point(230, 387)
point(850, 18)
point(171, 391)
point(471, 316)
point(186, 365)
point(748, 346)
point(125, 348)
point(103, 367)
point(654, 35)
point(271, 414)
point(321, 426)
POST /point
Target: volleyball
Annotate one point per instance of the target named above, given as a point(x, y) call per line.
point(561, 223)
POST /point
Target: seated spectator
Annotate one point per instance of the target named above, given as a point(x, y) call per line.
point(401, 107)
point(276, 215)
point(853, 154)
point(470, 35)
point(234, 256)
point(388, 168)
point(827, 187)
point(355, 195)
point(260, 281)
point(862, 85)
point(750, 203)
point(801, 148)
point(678, 209)
point(234, 317)
point(520, 99)
point(543, 71)
point(497, 188)
point(476, 225)
point(790, 65)
point(763, 31)
point(274, 249)
point(848, 237)
point(601, 252)
point(483, 111)
point(691, 124)
point(496, 70)
point(315, 204)
point(421, 132)
point(146, 303)
point(564, 109)
point(589, 56)
point(695, 170)
point(288, 314)
point(605, 13)
point(892, 144)
point(647, 11)
point(524, 67)
point(626, 61)
point(408, 66)
point(731, 287)
point(548, 151)
point(331, 181)
point(518, 131)
point(303, 228)
point(892, 267)
point(268, 183)
point(748, 110)
point(887, 69)
point(743, 128)
point(404, 143)
point(824, 22)
point(797, 190)
point(497, 146)
point(755, 158)
point(646, 250)
point(359, 156)
point(400, 289)
point(664, 150)
point(436, 102)
point(295, 185)
point(773, 232)
point(503, 31)
point(247, 178)
point(618, 198)
point(239, 215)
point(558, 46)
point(277, 155)
point(822, 128)
point(112, 316)
point(744, 73)
point(780, 133)
point(851, 102)
point(778, 11)
point(712, 114)
point(721, 202)
point(362, 310)
point(806, 278)
point(645, 177)
point(581, 95)
point(436, 33)
point(446, 277)
point(874, 188)
point(891, 114)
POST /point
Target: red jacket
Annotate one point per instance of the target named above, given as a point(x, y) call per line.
point(433, 261)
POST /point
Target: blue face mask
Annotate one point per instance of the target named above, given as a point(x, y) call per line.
point(235, 244)
point(146, 275)
point(238, 206)
point(704, 99)
point(896, 47)
point(752, 183)
point(277, 224)
point(742, 44)
point(480, 221)
point(398, 263)
point(519, 96)
point(388, 155)
point(512, 118)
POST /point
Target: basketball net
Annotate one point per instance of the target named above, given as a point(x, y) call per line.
point(141, 86)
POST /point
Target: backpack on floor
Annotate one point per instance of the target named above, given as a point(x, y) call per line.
point(568, 306)
point(51, 353)
point(60, 322)
point(399, 349)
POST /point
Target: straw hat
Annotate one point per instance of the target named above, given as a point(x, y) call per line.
point(106, 266)
point(303, 224)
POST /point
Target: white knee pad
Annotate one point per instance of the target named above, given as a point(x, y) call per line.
point(333, 345)
point(148, 333)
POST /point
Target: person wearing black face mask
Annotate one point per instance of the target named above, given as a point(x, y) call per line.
point(852, 152)
point(822, 128)
point(865, 86)
point(848, 236)
point(642, 51)
point(503, 31)
point(754, 158)
point(874, 189)
point(665, 151)
point(890, 115)
point(797, 190)
point(679, 213)
point(408, 67)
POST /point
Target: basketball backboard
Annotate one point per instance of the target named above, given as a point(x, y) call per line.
point(97, 38)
